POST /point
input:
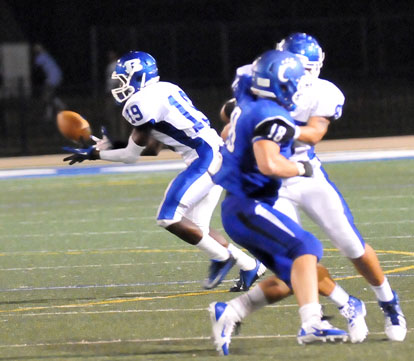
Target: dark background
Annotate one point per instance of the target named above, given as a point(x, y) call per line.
point(64, 28)
point(199, 44)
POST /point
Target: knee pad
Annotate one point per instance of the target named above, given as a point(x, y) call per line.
point(177, 214)
point(352, 250)
point(164, 223)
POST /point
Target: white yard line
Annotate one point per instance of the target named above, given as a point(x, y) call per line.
point(7, 237)
point(146, 340)
point(176, 165)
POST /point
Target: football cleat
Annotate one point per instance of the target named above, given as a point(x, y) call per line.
point(218, 270)
point(395, 324)
point(321, 331)
point(223, 321)
point(354, 311)
point(247, 278)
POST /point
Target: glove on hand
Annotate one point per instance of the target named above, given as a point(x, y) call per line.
point(80, 154)
point(305, 169)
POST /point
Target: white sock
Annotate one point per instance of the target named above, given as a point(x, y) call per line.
point(384, 291)
point(339, 296)
point(243, 260)
point(310, 313)
point(249, 302)
point(213, 249)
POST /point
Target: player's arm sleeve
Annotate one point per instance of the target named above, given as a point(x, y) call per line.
point(137, 142)
point(277, 129)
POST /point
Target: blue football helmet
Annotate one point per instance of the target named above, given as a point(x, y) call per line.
point(134, 71)
point(307, 48)
point(276, 74)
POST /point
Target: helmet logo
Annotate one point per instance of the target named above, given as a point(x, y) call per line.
point(286, 64)
point(133, 65)
point(263, 82)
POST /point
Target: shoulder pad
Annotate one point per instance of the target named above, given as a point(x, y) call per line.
point(330, 100)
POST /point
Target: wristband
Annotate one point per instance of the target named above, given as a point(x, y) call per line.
point(297, 132)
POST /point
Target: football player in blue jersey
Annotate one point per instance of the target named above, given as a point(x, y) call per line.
point(319, 198)
point(161, 112)
point(254, 161)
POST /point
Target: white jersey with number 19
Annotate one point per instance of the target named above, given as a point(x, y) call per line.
point(174, 119)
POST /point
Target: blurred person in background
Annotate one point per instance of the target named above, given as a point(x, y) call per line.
point(113, 119)
point(110, 83)
point(52, 79)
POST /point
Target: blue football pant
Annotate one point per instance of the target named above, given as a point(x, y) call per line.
point(269, 235)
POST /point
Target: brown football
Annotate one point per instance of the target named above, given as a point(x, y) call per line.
point(73, 126)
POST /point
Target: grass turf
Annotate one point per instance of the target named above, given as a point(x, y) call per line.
point(87, 275)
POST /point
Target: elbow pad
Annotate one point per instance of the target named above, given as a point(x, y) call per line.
point(129, 154)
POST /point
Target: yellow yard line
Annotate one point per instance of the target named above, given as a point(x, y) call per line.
point(180, 295)
point(117, 301)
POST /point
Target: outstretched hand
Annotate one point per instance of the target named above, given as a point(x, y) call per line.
point(103, 143)
point(80, 154)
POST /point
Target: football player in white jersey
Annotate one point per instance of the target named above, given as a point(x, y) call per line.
point(318, 196)
point(162, 111)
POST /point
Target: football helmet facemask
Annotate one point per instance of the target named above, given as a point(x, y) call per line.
point(134, 71)
point(307, 48)
point(280, 75)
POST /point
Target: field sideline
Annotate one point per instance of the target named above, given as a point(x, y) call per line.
point(87, 275)
point(361, 145)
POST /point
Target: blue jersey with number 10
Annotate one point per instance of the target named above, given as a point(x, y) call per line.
point(252, 120)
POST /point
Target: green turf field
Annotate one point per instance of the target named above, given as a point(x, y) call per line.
point(86, 274)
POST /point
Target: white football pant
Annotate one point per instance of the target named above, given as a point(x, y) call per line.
point(318, 197)
point(196, 204)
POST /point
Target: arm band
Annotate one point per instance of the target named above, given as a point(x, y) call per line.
point(129, 154)
point(297, 132)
